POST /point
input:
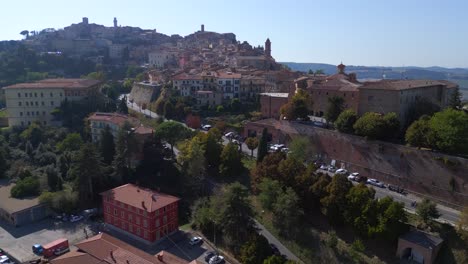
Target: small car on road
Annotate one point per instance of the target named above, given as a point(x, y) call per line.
point(195, 240)
point(341, 171)
point(209, 254)
point(375, 183)
point(218, 259)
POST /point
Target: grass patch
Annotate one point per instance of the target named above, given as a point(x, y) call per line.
point(185, 227)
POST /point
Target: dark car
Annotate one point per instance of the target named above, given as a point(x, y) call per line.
point(209, 254)
point(275, 249)
point(397, 189)
point(361, 179)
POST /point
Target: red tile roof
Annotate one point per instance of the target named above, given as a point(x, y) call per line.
point(228, 75)
point(186, 76)
point(404, 84)
point(104, 248)
point(57, 83)
point(120, 119)
point(141, 198)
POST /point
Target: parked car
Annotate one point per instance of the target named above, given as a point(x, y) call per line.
point(341, 171)
point(2, 252)
point(235, 141)
point(90, 212)
point(195, 240)
point(331, 169)
point(285, 150)
point(5, 260)
point(218, 259)
point(209, 254)
point(206, 127)
point(275, 249)
point(353, 176)
point(375, 183)
point(397, 189)
point(75, 218)
point(229, 134)
point(323, 167)
point(277, 147)
point(360, 178)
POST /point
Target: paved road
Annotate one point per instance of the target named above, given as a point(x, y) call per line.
point(244, 147)
point(137, 108)
point(448, 215)
point(273, 240)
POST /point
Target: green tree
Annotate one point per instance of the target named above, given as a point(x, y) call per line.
point(121, 162)
point(203, 215)
point(171, 132)
point(391, 125)
point(274, 259)
point(252, 143)
point(231, 164)
point(107, 146)
point(450, 128)
point(255, 250)
point(310, 71)
point(213, 148)
point(168, 110)
point(235, 105)
point(288, 170)
point(301, 149)
point(370, 125)
point(455, 99)
point(263, 146)
point(192, 158)
point(235, 215)
point(72, 142)
point(88, 170)
point(123, 108)
point(269, 193)
point(335, 202)
point(34, 133)
point(319, 71)
point(53, 179)
point(268, 168)
point(287, 212)
point(358, 198)
point(420, 108)
point(298, 107)
point(418, 132)
point(160, 102)
point(28, 186)
point(334, 108)
point(391, 219)
point(427, 211)
point(3, 164)
point(345, 121)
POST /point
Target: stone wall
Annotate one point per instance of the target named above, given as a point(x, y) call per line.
point(420, 171)
point(143, 93)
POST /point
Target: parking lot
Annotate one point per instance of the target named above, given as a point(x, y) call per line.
point(18, 241)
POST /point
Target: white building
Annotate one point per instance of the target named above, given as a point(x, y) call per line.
point(29, 102)
point(160, 58)
point(116, 51)
point(187, 84)
point(229, 84)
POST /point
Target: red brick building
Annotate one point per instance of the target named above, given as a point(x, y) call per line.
point(144, 213)
point(271, 104)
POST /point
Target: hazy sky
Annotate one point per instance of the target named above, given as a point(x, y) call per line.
point(357, 32)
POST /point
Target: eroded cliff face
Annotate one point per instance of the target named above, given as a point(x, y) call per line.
point(144, 94)
point(423, 171)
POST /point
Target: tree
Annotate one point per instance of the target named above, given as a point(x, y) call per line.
point(34, 133)
point(28, 186)
point(319, 71)
point(269, 192)
point(203, 215)
point(3, 164)
point(391, 125)
point(462, 224)
point(345, 121)
point(298, 107)
point(53, 179)
point(168, 110)
point(88, 171)
point(371, 125)
point(334, 108)
point(25, 33)
point(213, 148)
point(123, 108)
point(335, 202)
point(252, 143)
point(72, 142)
point(427, 211)
point(288, 170)
point(268, 168)
point(301, 149)
point(419, 108)
point(274, 259)
point(192, 158)
point(391, 219)
point(121, 159)
point(263, 146)
point(171, 132)
point(287, 212)
point(160, 102)
point(235, 214)
point(455, 99)
point(449, 129)
point(255, 250)
point(231, 164)
point(107, 146)
point(310, 71)
point(235, 105)
point(418, 132)
point(359, 197)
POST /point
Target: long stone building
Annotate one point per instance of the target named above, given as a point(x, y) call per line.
point(30, 102)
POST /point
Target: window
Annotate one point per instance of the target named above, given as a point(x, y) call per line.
point(165, 219)
point(45, 122)
point(27, 103)
point(146, 234)
point(164, 209)
point(60, 94)
point(32, 103)
point(37, 113)
point(145, 223)
point(108, 209)
point(37, 103)
point(138, 231)
point(42, 103)
point(130, 228)
point(22, 123)
point(137, 220)
point(27, 113)
point(115, 211)
point(51, 102)
point(25, 94)
point(157, 212)
point(19, 103)
point(30, 94)
point(21, 113)
point(42, 95)
point(32, 113)
point(35, 94)
point(157, 223)
point(122, 214)
point(19, 94)
point(130, 217)
point(51, 94)
point(43, 113)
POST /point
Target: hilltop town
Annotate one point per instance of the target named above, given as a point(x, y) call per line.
point(125, 145)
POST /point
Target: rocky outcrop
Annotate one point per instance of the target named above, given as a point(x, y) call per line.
point(144, 93)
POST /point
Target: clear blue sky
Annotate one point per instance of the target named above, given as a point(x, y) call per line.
point(360, 32)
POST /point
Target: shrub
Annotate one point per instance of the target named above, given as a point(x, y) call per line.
point(29, 186)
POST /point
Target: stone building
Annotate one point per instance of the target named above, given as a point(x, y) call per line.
point(30, 102)
point(271, 104)
point(208, 98)
point(418, 247)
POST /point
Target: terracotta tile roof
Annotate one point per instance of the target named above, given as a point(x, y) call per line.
point(57, 83)
point(113, 118)
point(403, 84)
point(104, 248)
point(141, 198)
point(229, 75)
point(186, 76)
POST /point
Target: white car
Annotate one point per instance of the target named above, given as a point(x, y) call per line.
point(206, 127)
point(277, 147)
point(352, 176)
point(229, 134)
point(341, 171)
point(195, 240)
point(75, 218)
point(216, 260)
point(323, 167)
point(375, 183)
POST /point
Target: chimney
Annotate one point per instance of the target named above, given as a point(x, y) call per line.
point(160, 257)
point(143, 204)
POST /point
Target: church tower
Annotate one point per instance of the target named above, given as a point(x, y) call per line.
point(268, 48)
point(115, 22)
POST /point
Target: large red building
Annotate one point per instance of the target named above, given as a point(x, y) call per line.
point(141, 212)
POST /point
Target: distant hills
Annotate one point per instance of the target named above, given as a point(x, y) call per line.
point(377, 72)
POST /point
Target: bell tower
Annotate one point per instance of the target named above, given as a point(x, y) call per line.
point(115, 22)
point(268, 48)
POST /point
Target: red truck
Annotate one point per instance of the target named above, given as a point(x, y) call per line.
point(56, 247)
